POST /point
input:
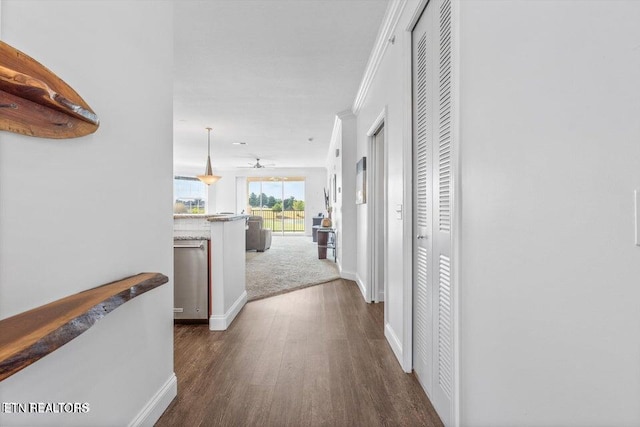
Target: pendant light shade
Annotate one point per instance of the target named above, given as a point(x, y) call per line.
point(208, 177)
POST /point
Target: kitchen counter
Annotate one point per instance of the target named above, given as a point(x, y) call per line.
point(198, 226)
point(191, 216)
point(222, 218)
point(212, 217)
point(227, 236)
point(191, 235)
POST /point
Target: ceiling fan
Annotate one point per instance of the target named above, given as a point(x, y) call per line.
point(258, 165)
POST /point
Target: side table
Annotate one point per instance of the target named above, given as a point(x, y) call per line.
point(317, 221)
point(327, 240)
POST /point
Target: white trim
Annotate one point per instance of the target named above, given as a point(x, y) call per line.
point(348, 275)
point(376, 126)
point(222, 322)
point(363, 288)
point(394, 343)
point(387, 27)
point(456, 211)
point(155, 407)
point(378, 122)
point(407, 226)
point(345, 114)
point(371, 160)
point(417, 13)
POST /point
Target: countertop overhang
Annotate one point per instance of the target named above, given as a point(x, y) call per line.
point(192, 235)
point(217, 218)
point(212, 217)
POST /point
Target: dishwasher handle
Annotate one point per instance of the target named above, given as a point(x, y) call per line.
point(200, 246)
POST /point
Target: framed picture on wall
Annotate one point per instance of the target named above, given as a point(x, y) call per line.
point(361, 181)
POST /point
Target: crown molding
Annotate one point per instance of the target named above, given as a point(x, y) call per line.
point(388, 26)
point(335, 133)
point(345, 114)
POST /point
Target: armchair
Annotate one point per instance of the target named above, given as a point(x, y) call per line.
point(258, 238)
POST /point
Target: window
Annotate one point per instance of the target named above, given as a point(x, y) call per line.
point(280, 201)
point(189, 194)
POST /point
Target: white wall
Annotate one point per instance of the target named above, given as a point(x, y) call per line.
point(550, 143)
point(550, 153)
point(334, 166)
point(344, 209)
point(235, 248)
point(224, 194)
point(387, 90)
point(228, 284)
point(118, 56)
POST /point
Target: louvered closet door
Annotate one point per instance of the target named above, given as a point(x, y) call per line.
point(442, 186)
point(424, 110)
point(433, 318)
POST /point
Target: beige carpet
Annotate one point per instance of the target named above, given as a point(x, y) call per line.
point(291, 263)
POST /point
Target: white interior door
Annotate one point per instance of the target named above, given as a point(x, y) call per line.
point(423, 63)
point(433, 311)
point(442, 185)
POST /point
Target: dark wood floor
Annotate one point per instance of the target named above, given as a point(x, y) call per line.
point(312, 357)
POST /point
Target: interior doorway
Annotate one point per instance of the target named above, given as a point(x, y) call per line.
point(377, 221)
point(378, 227)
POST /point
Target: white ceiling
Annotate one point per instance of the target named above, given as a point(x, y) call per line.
point(271, 73)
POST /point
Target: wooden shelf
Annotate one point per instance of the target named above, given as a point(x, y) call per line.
point(29, 336)
point(327, 240)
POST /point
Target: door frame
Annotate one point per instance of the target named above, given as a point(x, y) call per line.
point(373, 204)
point(456, 178)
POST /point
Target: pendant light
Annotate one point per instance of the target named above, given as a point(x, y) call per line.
point(208, 177)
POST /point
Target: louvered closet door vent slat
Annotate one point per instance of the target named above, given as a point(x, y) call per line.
point(444, 325)
point(444, 120)
point(423, 113)
point(423, 324)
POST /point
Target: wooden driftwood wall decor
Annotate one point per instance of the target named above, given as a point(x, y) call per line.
point(36, 102)
point(29, 336)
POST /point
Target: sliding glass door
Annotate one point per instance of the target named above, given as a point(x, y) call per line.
point(279, 200)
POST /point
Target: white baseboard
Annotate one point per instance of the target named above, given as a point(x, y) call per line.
point(222, 322)
point(363, 289)
point(347, 275)
point(393, 341)
point(156, 406)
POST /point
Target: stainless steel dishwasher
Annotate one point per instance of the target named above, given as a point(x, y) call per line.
point(190, 279)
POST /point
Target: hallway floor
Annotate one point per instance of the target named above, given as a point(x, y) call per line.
point(312, 357)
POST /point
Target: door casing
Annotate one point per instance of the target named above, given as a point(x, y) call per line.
point(378, 239)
